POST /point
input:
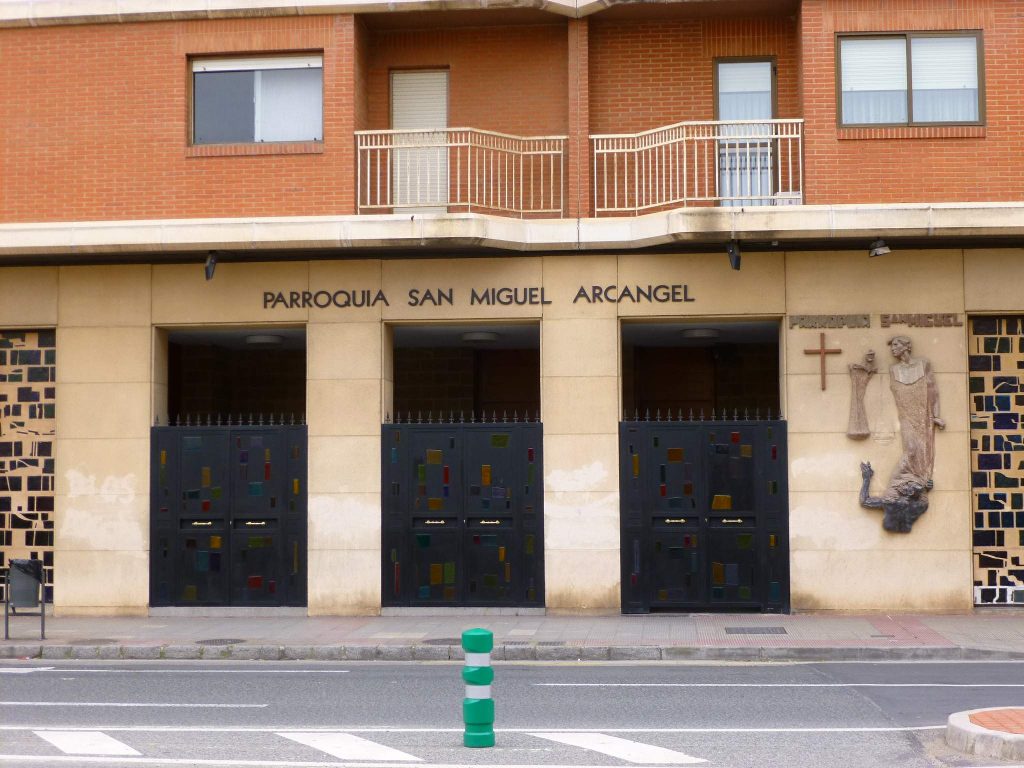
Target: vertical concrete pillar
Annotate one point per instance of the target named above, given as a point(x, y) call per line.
point(160, 375)
point(344, 390)
point(580, 408)
point(578, 193)
point(104, 400)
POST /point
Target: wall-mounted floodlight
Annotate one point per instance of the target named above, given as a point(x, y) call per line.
point(211, 264)
point(879, 248)
point(732, 248)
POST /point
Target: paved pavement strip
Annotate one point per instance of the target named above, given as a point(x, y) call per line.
point(514, 652)
point(992, 732)
point(535, 637)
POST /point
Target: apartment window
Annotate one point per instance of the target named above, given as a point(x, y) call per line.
point(246, 100)
point(910, 79)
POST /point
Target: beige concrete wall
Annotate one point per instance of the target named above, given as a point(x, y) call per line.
point(30, 297)
point(104, 403)
point(345, 384)
point(112, 380)
point(580, 397)
point(841, 558)
point(992, 280)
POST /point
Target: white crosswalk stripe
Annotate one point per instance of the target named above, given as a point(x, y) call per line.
point(348, 746)
point(624, 749)
point(86, 743)
point(92, 745)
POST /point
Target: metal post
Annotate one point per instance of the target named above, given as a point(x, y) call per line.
point(478, 706)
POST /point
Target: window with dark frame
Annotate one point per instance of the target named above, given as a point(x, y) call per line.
point(910, 79)
point(256, 100)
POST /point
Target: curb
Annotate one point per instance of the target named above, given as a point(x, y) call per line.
point(965, 736)
point(507, 653)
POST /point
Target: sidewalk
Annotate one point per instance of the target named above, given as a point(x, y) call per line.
point(750, 637)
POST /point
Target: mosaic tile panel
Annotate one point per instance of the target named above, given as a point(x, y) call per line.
point(28, 364)
point(996, 365)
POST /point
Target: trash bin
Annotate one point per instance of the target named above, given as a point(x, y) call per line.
point(24, 590)
point(24, 579)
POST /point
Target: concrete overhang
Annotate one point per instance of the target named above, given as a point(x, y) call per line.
point(36, 13)
point(793, 227)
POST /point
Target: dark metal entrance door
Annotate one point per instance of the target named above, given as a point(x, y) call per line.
point(462, 514)
point(228, 516)
point(704, 516)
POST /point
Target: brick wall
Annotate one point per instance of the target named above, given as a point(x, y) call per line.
point(453, 380)
point(206, 379)
point(727, 376)
point(361, 61)
point(913, 164)
point(644, 74)
point(103, 133)
point(509, 79)
point(95, 124)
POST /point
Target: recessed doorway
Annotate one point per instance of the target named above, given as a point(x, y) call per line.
point(228, 470)
point(702, 469)
point(700, 368)
point(477, 370)
point(462, 469)
point(236, 372)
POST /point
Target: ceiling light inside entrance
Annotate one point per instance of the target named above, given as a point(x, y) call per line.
point(263, 339)
point(479, 336)
point(701, 333)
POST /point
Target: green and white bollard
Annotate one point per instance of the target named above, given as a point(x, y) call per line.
point(478, 706)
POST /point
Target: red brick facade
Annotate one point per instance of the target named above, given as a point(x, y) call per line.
point(96, 124)
point(888, 165)
point(652, 73)
point(96, 117)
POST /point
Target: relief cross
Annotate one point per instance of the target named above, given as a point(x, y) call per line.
point(821, 352)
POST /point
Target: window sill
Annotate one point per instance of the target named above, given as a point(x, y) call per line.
point(268, 148)
point(913, 132)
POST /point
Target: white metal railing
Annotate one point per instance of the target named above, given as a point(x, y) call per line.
point(460, 169)
point(735, 162)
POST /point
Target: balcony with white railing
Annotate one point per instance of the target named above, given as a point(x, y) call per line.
point(460, 170)
point(723, 163)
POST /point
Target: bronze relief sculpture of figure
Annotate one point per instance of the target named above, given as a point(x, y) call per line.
point(917, 404)
point(860, 375)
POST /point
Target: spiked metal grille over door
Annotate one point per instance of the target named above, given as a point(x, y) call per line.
point(463, 514)
point(704, 516)
point(228, 513)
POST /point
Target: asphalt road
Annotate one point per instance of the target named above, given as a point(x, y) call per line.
point(286, 715)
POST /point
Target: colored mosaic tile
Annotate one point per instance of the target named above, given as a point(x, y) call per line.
point(996, 350)
point(27, 429)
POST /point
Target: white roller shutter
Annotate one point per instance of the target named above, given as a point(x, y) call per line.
point(419, 99)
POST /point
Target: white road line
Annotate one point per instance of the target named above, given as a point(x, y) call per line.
point(624, 749)
point(22, 670)
point(126, 704)
point(347, 746)
point(113, 760)
point(780, 685)
point(134, 672)
point(86, 743)
point(335, 729)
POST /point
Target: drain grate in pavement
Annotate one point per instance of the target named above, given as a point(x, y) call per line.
point(443, 641)
point(94, 641)
point(221, 641)
point(755, 630)
point(551, 642)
